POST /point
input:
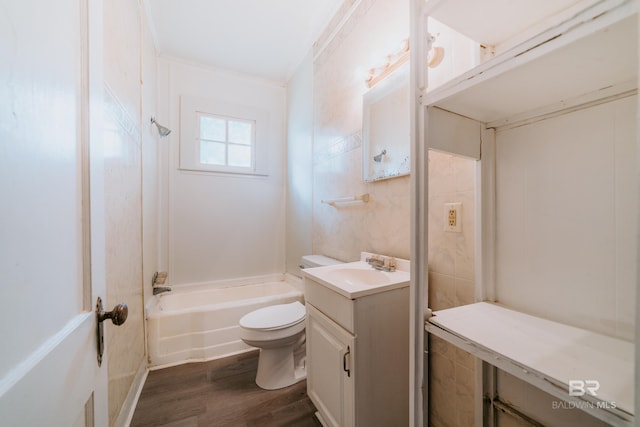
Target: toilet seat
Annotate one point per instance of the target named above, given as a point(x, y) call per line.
point(274, 317)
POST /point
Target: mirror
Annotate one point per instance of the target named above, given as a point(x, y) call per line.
point(386, 143)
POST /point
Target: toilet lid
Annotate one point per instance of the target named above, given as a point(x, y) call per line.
point(274, 317)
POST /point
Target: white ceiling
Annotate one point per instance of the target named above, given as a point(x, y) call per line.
point(264, 38)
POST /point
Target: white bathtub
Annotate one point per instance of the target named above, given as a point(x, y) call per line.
point(192, 324)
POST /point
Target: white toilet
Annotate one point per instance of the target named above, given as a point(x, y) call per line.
point(278, 331)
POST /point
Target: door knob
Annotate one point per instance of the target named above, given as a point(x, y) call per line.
point(118, 316)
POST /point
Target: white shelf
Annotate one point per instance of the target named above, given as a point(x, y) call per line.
point(546, 354)
point(503, 22)
point(593, 55)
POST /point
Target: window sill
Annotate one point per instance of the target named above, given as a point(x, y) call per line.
point(246, 174)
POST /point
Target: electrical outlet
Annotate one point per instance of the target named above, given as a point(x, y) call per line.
point(453, 217)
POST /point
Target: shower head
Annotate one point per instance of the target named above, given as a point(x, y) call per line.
point(163, 131)
point(378, 158)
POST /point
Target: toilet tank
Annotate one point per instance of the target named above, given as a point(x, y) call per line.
point(309, 261)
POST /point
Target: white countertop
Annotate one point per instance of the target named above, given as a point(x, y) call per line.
point(349, 285)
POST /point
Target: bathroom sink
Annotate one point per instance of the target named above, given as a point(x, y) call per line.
point(358, 276)
point(357, 279)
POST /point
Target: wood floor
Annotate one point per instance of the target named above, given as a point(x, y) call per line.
point(220, 393)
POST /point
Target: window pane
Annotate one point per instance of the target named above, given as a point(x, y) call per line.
point(212, 153)
point(240, 155)
point(212, 128)
point(240, 132)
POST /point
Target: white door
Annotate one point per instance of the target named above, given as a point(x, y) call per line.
point(51, 225)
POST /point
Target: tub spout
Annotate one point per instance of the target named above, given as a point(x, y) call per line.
point(160, 289)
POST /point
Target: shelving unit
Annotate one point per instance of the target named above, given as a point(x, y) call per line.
point(570, 64)
point(546, 354)
point(551, 59)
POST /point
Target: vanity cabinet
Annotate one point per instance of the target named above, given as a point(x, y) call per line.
point(330, 375)
point(358, 356)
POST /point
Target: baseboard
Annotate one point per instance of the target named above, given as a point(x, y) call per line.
point(200, 360)
point(131, 401)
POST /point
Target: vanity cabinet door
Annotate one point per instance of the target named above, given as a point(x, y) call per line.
point(330, 369)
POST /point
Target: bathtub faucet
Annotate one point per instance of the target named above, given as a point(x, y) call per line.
point(159, 277)
point(160, 289)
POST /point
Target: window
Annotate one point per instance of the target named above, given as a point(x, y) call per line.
point(217, 136)
point(226, 141)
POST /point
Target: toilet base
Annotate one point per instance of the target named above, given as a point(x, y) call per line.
point(280, 367)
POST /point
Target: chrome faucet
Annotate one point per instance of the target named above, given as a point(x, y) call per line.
point(160, 289)
point(382, 263)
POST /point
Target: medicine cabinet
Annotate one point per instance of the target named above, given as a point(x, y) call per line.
point(385, 133)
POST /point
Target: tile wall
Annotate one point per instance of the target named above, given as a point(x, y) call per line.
point(342, 57)
point(383, 225)
point(125, 343)
point(130, 192)
point(451, 284)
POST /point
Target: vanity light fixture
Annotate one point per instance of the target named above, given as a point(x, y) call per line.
point(435, 56)
point(393, 62)
point(163, 131)
point(436, 53)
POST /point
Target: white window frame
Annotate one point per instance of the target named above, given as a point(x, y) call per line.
point(192, 108)
point(227, 143)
